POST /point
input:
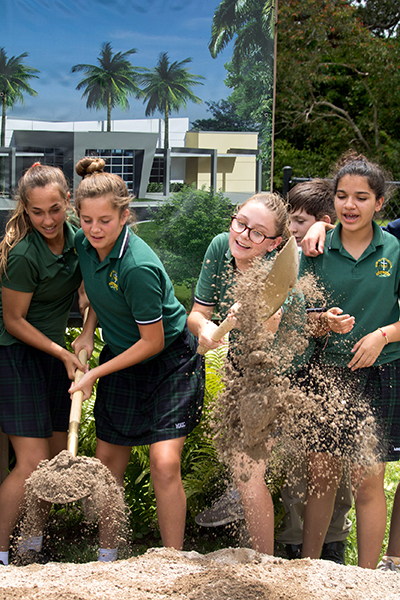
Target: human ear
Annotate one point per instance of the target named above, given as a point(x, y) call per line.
point(378, 204)
point(276, 243)
point(326, 219)
point(124, 216)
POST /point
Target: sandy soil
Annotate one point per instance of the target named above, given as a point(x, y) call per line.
point(235, 574)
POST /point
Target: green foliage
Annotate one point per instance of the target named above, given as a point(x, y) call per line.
point(184, 226)
point(382, 17)
point(250, 71)
point(154, 187)
point(338, 79)
point(337, 85)
point(250, 22)
point(252, 84)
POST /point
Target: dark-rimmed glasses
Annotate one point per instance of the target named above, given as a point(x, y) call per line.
point(255, 236)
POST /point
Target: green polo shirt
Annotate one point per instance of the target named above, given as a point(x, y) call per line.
point(367, 288)
point(130, 287)
point(52, 279)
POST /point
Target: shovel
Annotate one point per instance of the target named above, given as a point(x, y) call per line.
point(61, 479)
point(280, 280)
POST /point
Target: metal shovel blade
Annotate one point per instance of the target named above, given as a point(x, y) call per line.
point(281, 278)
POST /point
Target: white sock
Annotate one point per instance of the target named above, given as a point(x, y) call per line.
point(4, 557)
point(108, 554)
point(30, 543)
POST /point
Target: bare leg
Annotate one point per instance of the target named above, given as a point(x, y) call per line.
point(370, 503)
point(116, 458)
point(257, 503)
point(324, 473)
point(393, 548)
point(165, 467)
point(28, 452)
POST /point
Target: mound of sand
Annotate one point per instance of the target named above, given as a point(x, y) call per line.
point(234, 574)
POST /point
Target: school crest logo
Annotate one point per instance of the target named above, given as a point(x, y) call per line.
point(113, 281)
point(383, 267)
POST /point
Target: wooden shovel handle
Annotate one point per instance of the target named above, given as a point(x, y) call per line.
point(227, 325)
point(76, 404)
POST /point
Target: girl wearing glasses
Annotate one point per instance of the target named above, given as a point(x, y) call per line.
point(256, 230)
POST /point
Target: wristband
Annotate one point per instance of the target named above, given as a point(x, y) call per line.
point(385, 335)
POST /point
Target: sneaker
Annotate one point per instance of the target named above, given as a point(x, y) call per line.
point(293, 551)
point(31, 557)
point(334, 551)
point(227, 509)
point(388, 564)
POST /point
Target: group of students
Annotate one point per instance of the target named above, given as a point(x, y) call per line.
point(357, 335)
point(151, 380)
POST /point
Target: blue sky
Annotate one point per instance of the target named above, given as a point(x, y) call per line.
point(58, 34)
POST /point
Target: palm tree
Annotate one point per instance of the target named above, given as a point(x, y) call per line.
point(14, 77)
point(252, 21)
point(109, 84)
point(167, 89)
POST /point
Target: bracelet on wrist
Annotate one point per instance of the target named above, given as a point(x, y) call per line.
point(385, 335)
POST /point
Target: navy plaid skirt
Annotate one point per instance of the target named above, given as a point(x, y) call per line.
point(150, 402)
point(34, 398)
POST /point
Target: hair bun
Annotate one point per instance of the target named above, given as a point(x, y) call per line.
point(89, 165)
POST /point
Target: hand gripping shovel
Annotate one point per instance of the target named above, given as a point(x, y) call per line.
point(281, 278)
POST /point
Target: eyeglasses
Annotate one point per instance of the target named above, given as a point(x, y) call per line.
point(255, 236)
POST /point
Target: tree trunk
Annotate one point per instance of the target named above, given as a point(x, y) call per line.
point(2, 144)
point(166, 126)
point(109, 113)
point(3, 121)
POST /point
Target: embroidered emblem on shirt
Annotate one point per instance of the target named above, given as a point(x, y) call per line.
point(383, 267)
point(113, 283)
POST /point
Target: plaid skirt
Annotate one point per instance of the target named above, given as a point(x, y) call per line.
point(150, 402)
point(372, 391)
point(34, 398)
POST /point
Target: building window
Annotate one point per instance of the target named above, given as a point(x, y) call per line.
point(125, 163)
point(157, 170)
point(53, 157)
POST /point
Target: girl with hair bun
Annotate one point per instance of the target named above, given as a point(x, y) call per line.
point(151, 380)
point(39, 274)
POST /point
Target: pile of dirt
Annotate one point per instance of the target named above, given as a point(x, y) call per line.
point(67, 478)
point(232, 574)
